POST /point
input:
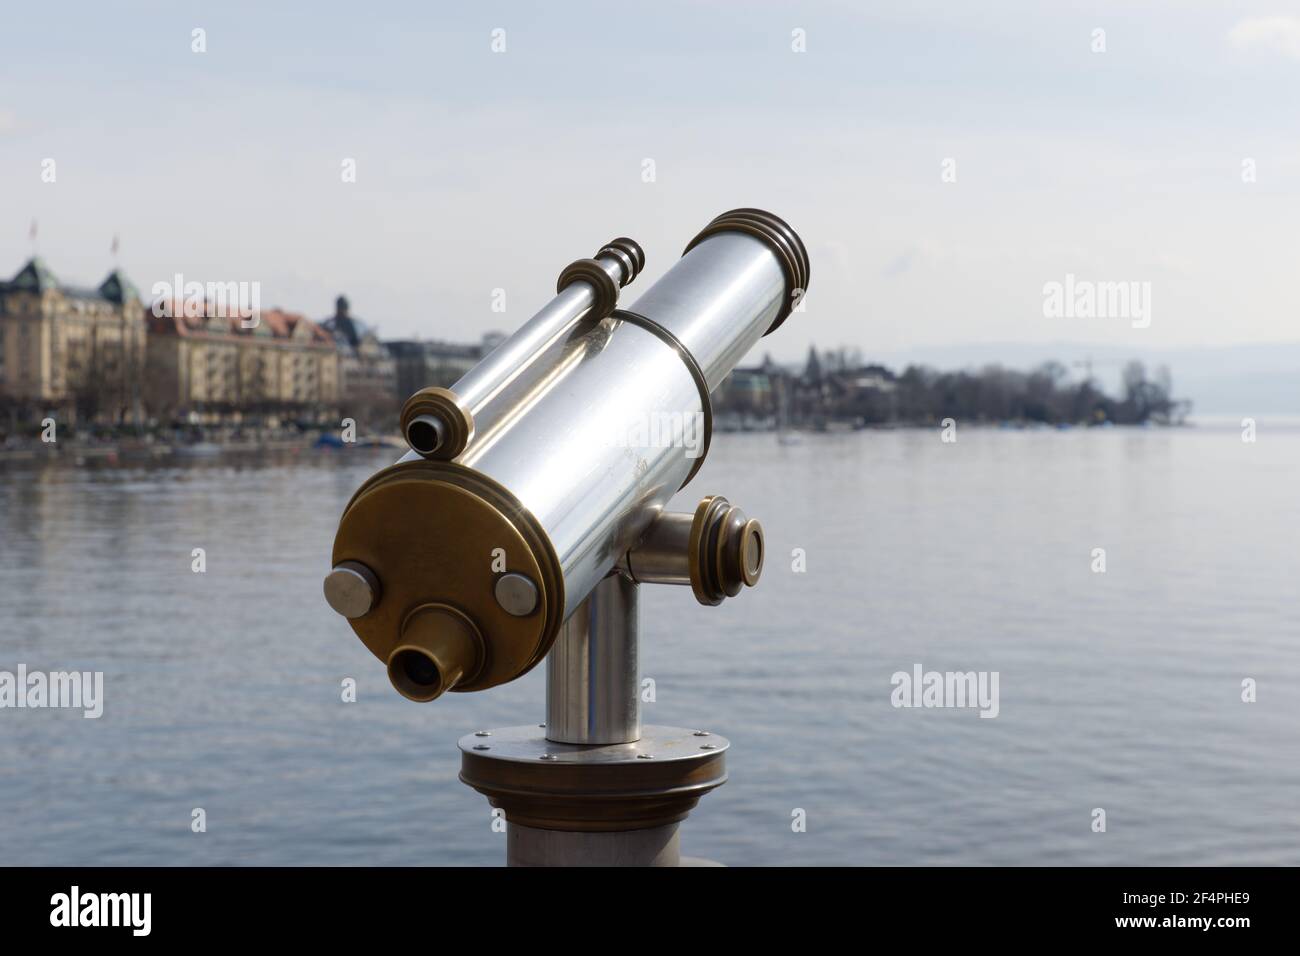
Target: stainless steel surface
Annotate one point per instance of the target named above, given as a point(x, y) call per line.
point(570, 438)
point(526, 744)
point(351, 589)
point(591, 672)
point(477, 386)
point(718, 300)
point(585, 425)
point(512, 356)
point(654, 846)
point(516, 594)
point(663, 556)
point(629, 267)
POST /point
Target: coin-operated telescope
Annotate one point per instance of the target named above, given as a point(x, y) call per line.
point(532, 507)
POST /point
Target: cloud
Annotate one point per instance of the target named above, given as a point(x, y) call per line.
point(1270, 34)
point(901, 265)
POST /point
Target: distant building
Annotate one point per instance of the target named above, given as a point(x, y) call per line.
point(367, 371)
point(99, 355)
point(746, 391)
point(420, 364)
point(209, 369)
point(842, 389)
point(73, 351)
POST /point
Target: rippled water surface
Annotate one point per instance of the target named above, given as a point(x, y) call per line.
point(1119, 690)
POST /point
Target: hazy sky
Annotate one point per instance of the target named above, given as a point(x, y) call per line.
point(478, 170)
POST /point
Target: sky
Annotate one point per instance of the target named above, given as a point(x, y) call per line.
point(478, 170)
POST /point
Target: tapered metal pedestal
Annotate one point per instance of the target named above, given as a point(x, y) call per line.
point(592, 786)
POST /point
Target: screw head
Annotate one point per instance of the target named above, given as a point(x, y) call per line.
point(702, 733)
point(645, 756)
point(482, 733)
point(708, 747)
point(482, 747)
point(351, 589)
point(546, 757)
point(516, 593)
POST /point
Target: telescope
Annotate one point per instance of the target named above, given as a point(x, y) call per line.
point(532, 507)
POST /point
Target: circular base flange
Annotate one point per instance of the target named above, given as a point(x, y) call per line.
point(652, 782)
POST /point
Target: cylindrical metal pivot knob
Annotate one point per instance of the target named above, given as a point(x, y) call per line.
point(717, 551)
point(351, 589)
point(726, 551)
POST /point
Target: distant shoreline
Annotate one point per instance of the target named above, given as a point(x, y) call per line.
point(73, 452)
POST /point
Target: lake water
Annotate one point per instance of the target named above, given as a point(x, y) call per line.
point(1119, 690)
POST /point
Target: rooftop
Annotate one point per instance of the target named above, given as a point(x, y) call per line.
point(37, 277)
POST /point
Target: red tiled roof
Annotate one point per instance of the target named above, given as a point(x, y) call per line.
point(280, 323)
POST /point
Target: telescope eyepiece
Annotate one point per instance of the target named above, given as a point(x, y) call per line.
point(440, 648)
point(436, 423)
point(425, 434)
point(415, 674)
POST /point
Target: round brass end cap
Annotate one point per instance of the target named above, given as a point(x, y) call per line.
point(442, 622)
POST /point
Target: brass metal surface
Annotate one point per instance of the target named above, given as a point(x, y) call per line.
point(443, 405)
point(436, 533)
point(440, 648)
point(725, 552)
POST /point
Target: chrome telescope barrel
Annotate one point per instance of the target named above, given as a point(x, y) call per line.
point(587, 288)
point(737, 280)
point(571, 456)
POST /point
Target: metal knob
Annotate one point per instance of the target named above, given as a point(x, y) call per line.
point(516, 593)
point(351, 589)
point(717, 551)
point(726, 550)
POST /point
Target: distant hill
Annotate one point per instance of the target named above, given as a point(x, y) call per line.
point(1228, 380)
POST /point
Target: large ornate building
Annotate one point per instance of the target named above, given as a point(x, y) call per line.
point(101, 356)
point(209, 368)
point(73, 352)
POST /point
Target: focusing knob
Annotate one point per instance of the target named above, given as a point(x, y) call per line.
point(726, 550)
